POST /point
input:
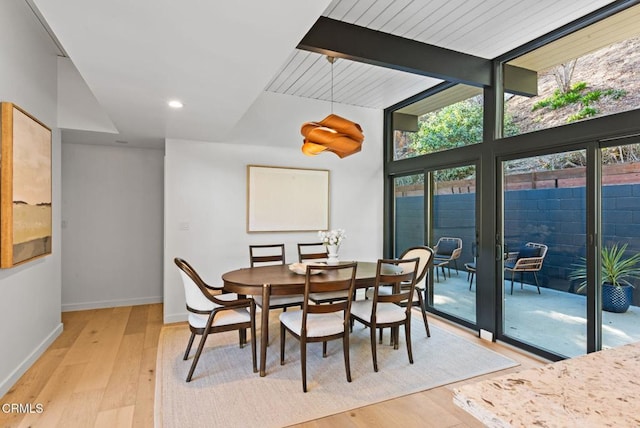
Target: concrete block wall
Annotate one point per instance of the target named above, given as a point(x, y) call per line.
point(555, 217)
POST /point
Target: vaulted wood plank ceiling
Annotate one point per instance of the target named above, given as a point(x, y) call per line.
point(485, 29)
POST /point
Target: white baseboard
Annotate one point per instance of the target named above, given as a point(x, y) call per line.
point(28, 362)
point(69, 307)
point(173, 318)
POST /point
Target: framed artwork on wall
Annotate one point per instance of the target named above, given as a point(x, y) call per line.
point(25, 187)
point(281, 199)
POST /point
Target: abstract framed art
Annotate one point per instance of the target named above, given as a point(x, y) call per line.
point(25, 187)
point(283, 199)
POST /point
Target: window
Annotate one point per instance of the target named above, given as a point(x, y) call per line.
point(590, 73)
point(446, 120)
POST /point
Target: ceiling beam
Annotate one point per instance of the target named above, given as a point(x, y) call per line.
point(343, 40)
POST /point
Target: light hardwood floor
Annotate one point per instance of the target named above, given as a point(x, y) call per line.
point(100, 372)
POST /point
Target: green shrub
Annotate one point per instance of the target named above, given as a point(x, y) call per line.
point(591, 96)
point(585, 112)
point(576, 95)
point(616, 94)
point(578, 86)
point(541, 104)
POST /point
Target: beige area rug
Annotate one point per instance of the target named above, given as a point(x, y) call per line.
point(225, 392)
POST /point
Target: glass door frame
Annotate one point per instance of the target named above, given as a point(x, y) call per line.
point(429, 166)
point(592, 233)
point(589, 135)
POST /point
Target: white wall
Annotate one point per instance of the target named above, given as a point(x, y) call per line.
point(205, 191)
point(30, 302)
point(111, 226)
point(77, 106)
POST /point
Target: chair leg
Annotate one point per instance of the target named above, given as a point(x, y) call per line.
point(198, 352)
point(373, 347)
point(242, 337)
point(253, 344)
point(324, 349)
point(282, 339)
point(423, 309)
point(407, 334)
point(380, 338)
point(394, 341)
point(345, 351)
point(512, 275)
point(186, 353)
point(303, 362)
point(537, 284)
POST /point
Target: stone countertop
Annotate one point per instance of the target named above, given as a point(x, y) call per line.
point(601, 389)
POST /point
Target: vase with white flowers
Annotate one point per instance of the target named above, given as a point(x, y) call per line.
point(332, 239)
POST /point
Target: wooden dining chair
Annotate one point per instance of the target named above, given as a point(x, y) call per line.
point(385, 310)
point(311, 252)
point(209, 313)
point(425, 255)
point(321, 323)
point(272, 254)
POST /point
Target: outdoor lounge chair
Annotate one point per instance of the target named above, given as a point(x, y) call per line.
point(528, 259)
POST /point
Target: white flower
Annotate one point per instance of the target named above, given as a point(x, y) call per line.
point(332, 237)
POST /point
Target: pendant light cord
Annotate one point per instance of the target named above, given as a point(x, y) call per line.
point(331, 59)
point(331, 87)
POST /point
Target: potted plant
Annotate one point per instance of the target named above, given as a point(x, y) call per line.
point(617, 270)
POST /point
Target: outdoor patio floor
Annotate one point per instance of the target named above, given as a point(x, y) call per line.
point(553, 320)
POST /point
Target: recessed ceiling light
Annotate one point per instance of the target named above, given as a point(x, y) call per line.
point(175, 104)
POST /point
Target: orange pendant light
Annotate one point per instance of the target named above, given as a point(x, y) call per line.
point(333, 133)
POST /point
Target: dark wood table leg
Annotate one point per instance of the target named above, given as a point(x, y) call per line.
point(264, 328)
point(243, 331)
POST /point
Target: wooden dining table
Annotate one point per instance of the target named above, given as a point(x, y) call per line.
point(279, 280)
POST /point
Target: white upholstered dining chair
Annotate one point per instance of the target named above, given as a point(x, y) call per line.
point(321, 323)
point(214, 313)
point(385, 310)
point(425, 256)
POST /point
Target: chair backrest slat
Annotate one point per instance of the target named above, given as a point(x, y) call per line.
point(312, 251)
point(265, 254)
point(330, 279)
point(401, 275)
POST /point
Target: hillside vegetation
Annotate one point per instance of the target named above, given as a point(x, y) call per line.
point(613, 72)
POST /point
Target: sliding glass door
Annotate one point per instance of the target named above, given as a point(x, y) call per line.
point(620, 244)
point(447, 214)
point(453, 236)
point(544, 218)
point(409, 209)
